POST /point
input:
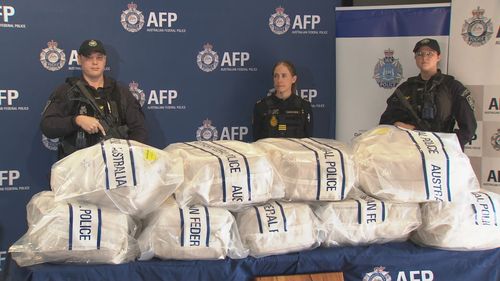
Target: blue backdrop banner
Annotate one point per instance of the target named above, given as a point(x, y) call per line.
point(190, 63)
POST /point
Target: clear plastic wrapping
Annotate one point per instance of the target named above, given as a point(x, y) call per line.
point(194, 232)
point(473, 225)
point(228, 174)
point(312, 169)
point(133, 176)
point(278, 228)
point(413, 166)
point(81, 233)
point(366, 220)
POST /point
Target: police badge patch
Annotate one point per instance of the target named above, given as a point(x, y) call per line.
point(50, 144)
point(388, 71)
point(52, 58)
point(495, 140)
point(137, 93)
point(279, 22)
point(132, 19)
point(207, 59)
point(207, 132)
point(378, 274)
point(478, 29)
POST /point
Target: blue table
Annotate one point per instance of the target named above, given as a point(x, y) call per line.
point(403, 261)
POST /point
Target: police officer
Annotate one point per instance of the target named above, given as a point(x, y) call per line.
point(70, 117)
point(432, 101)
point(283, 113)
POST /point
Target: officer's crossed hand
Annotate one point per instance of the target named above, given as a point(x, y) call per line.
point(89, 124)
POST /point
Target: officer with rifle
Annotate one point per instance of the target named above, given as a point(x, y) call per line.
point(87, 109)
point(432, 101)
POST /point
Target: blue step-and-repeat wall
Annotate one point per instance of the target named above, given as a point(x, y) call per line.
point(192, 65)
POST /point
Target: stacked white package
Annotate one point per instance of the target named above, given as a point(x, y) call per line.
point(40, 205)
point(413, 166)
point(228, 174)
point(133, 176)
point(195, 232)
point(78, 233)
point(312, 169)
point(462, 226)
point(366, 220)
point(278, 227)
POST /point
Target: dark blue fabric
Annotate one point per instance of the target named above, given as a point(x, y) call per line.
point(431, 21)
point(402, 261)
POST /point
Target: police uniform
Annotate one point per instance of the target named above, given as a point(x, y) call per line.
point(440, 102)
point(58, 118)
point(277, 118)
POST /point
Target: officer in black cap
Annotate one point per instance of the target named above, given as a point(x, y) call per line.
point(87, 109)
point(283, 113)
point(432, 101)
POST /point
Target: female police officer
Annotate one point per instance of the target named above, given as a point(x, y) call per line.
point(283, 113)
point(431, 101)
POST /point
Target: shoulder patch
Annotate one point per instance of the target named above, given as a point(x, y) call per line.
point(467, 95)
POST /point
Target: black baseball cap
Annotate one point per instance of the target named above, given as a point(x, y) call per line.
point(90, 46)
point(431, 43)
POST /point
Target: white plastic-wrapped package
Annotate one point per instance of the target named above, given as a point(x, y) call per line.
point(39, 205)
point(278, 227)
point(401, 165)
point(312, 169)
point(195, 232)
point(78, 233)
point(367, 220)
point(461, 226)
point(228, 174)
point(133, 176)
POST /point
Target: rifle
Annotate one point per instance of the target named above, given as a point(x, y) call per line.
point(422, 124)
point(110, 127)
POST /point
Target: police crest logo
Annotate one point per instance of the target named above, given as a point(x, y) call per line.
point(478, 29)
point(495, 140)
point(388, 71)
point(207, 59)
point(279, 22)
point(50, 144)
point(132, 19)
point(52, 58)
point(137, 93)
point(378, 274)
point(207, 132)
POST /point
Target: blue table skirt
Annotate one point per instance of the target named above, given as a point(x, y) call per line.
point(403, 261)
